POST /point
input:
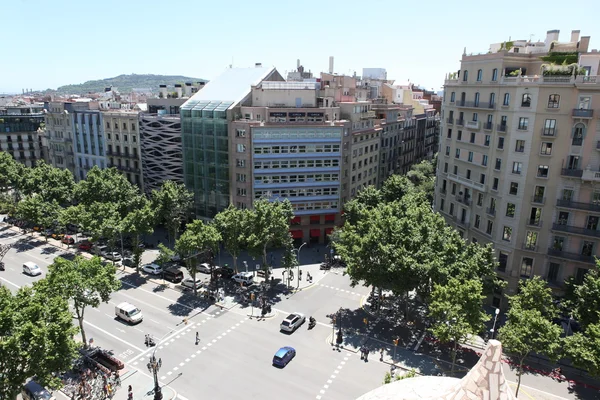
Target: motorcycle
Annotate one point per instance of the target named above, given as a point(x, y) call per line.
point(312, 323)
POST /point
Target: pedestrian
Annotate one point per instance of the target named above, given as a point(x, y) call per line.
point(197, 338)
point(381, 355)
point(129, 389)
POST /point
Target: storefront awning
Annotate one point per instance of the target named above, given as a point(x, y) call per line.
point(315, 233)
point(296, 234)
point(328, 231)
point(295, 220)
point(330, 217)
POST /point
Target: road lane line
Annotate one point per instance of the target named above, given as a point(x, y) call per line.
point(10, 283)
point(113, 336)
point(162, 341)
point(180, 397)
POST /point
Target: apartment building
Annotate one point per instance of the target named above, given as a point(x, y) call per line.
point(21, 128)
point(89, 146)
point(122, 136)
point(59, 132)
point(519, 161)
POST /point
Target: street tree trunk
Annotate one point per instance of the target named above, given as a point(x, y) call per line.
point(454, 350)
point(79, 315)
point(519, 373)
point(234, 263)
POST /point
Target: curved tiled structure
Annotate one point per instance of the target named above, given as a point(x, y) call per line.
point(161, 149)
point(484, 381)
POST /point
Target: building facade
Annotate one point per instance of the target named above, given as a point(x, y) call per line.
point(123, 144)
point(519, 158)
point(89, 146)
point(59, 133)
point(21, 131)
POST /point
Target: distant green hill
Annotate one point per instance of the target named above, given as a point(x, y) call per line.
point(124, 83)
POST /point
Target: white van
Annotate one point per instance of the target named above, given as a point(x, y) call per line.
point(128, 312)
point(246, 278)
point(31, 268)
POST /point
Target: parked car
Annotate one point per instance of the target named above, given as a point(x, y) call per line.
point(173, 274)
point(48, 232)
point(292, 322)
point(67, 239)
point(153, 269)
point(245, 278)
point(127, 261)
point(57, 236)
point(204, 267)
point(112, 255)
point(225, 272)
point(283, 356)
point(31, 269)
point(191, 283)
point(86, 245)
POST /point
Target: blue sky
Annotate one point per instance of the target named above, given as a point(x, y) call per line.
point(51, 43)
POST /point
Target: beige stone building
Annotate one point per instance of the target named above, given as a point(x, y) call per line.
point(122, 138)
point(519, 157)
point(59, 133)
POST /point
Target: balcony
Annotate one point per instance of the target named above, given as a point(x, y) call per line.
point(549, 133)
point(571, 256)
point(490, 211)
point(581, 113)
point(578, 205)
point(464, 200)
point(460, 122)
point(538, 199)
point(571, 172)
point(575, 230)
point(450, 121)
point(473, 125)
point(467, 182)
point(488, 126)
point(501, 127)
point(461, 221)
point(460, 103)
point(591, 176)
point(534, 222)
point(368, 115)
point(529, 247)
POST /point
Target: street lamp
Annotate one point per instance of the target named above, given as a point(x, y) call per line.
point(298, 262)
point(493, 330)
point(154, 366)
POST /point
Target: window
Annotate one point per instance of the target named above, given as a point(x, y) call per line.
point(492, 101)
point(240, 163)
point(465, 76)
point(514, 188)
point(520, 146)
point(482, 179)
point(563, 218)
point(553, 269)
point(241, 148)
point(500, 143)
point(526, 267)
point(470, 158)
point(490, 227)
point(523, 123)
point(580, 275)
point(526, 100)
point(453, 188)
point(459, 135)
point(240, 177)
point(517, 167)
point(476, 100)
point(442, 204)
point(477, 221)
point(487, 139)
point(447, 150)
point(546, 149)
point(449, 136)
point(494, 74)
point(495, 184)
point(475, 117)
point(472, 139)
point(558, 243)
point(445, 168)
point(479, 75)
point(451, 212)
point(240, 133)
point(502, 261)
point(507, 233)
point(506, 101)
point(549, 127)
point(457, 153)
point(484, 160)
point(498, 164)
point(578, 133)
point(542, 171)
point(241, 191)
point(510, 210)
point(480, 199)
point(468, 174)
point(553, 101)
point(452, 97)
point(531, 240)
point(587, 249)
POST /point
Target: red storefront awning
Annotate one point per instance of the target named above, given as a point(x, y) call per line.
point(315, 232)
point(296, 234)
point(330, 217)
point(295, 220)
point(328, 231)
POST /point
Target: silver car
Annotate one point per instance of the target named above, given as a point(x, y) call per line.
point(292, 322)
point(190, 283)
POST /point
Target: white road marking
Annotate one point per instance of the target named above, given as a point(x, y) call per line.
point(162, 341)
point(180, 397)
point(193, 356)
point(162, 378)
point(138, 329)
point(181, 364)
point(10, 283)
point(175, 368)
point(187, 359)
point(155, 321)
point(170, 372)
point(113, 336)
point(204, 348)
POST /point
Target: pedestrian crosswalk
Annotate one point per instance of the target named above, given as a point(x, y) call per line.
point(338, 289)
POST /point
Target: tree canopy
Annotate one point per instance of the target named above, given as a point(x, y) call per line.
point(232, 224)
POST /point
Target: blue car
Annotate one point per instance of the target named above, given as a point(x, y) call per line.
point(283, 356)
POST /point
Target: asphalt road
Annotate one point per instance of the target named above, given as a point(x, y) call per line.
point(233, 358)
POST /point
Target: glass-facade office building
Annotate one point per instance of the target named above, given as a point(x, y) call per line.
point(205, 146)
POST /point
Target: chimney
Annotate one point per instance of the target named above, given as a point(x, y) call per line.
point(188, 89)
point(297, 63)
point(179, 90)
point(584, 43)
point(575, 36)
point(258, 65)
point(163, 90)
point(331, 64)
point(552, 36)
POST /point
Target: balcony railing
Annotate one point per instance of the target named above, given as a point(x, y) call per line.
point(460, 122)
point(501, 127)
point(529, 247)
point(571, 256)
point(576, 230)
point(461, 221)
point(473, 124)
point(592, 176)
point(581, 113)
point(450, 120)
point(488, 126)
point(460, 103)
point(490, 211)
point(464, 200)
point(534, 222)
point(578, 205)
point(538, 199)
point(575, 173)
point(549, 132)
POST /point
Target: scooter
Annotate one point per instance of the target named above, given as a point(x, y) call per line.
point(312, 323)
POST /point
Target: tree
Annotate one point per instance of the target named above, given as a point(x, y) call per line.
point(12, 176)
point(36, 339)
point(85, 282)
point(366, 199)
point(529, 328)
point(199, 240)
point(586, 299)
point(38, 211)
point(422, 176)
point(268, 224)
point(139, 221)
point(165, 255)
point(584, 349)
point(73, 215)
point(172, 203)
point(395, 187)
point(457, 309)
point(232, 225)
point(52, 184)
point(105, 186)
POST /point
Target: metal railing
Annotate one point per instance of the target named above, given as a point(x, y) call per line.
point(460, 122)
point(450, 120)
point(549, 132)
point(538, 199)
point(571, 256)
point(488, 126)
point(464, 200)
point(575, 229)
point(534, 222)
point(529, 247)
point(581, 113)
point(578, 205)
point(501, 127)
point(576, 173)
point(490, 211)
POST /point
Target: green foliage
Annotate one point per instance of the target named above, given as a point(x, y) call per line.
point(12, 173)
point(139, 221)
point(85, 282)
point(529, 327)
point(586, 299)
point(584, 349)
point(173, 204)
point(387, 378)
point(125, 83)
point(106, 186)
point(232, 224)
point(165, 255)
point(268, 224)
point(39, 212)
point(457, 309)
point(366, 199)
point(50, 183)
point(36, 339)
point(396, 187)
point(554, 57)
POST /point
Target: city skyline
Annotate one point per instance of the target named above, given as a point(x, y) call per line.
point(90, 42)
